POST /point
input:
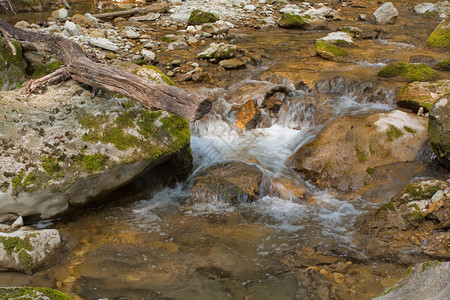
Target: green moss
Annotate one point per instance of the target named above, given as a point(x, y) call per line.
point(393, 133)
point(386, 207)
point(26, 293)
point(415, 216)
point(440, 37)
point(371, 150)
point(409, 72)
point(291, 21)
point(370, 171)
point(26, 260)
point(163, 76)
point(94, 162)
point(417, 192)
point(361, 155)
point(408, 271)
point(4, 186)
point(409, 129)
point(391, 289)
point(16, 244)
point(119, 138)
point(167, 39)
point(146, 122)
point(444, 65)
point(199, 17)
point(329, 51)
point(50, 165)
point(16, 181)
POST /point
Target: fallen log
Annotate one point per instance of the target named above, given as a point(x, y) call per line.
point(173, 99)
point(117, 13)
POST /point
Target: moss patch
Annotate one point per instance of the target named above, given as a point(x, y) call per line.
point(408, 72)
point(444, 65)
point(393, 133)
point(163, 76)
point(361, 155)
point(329, 51)
point(94, 162)
point(440, 37)
point(291, 21)
point(39, 293)
point(199, 17)
point(16, 244)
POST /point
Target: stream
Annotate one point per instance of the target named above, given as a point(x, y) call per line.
point(165, 245)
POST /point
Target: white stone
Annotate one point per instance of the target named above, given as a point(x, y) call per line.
point(104, 44)
point(250, 7)
point(23, 24)
point(442, 8)
point(333, 37)
point(439, 195)
point(63, 13)
point(191, 29)
point(131, 34)
point(148, 17)
point(17, 223)
point(192, 40)
point(71, 28)
point(386, 14)
point(148, 55)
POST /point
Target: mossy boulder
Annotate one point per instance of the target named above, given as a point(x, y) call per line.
point(230, 182)
point(440, 37)
point(62, 148)
point(12, 67)
point(218, 51)
point(444, 65)
point(34, 293)
point(408, 72)
point(345, 154)
point(330, 52)
point(439, 129)
point(199, 17)
point(288, 20)
point(26, 250)
point(421, 94)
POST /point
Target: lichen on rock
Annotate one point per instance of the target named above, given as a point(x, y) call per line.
point(35, 293)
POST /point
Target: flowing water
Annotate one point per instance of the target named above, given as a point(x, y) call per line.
point(165, 246)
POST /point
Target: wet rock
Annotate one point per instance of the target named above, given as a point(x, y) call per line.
point(426, 280)
point(27, 250)
point(231, 182)
point(440, 37)
point(219, 27)
point(330, 52)
point(440, 9)
point(204, 77)
point(408, 72)
point(421, 94)
point(354, 32)
point(12, 71)
point(198, 17)
point(232, 64)
point(274, 102)
point(218, 51)
point(82, 21)
point(248, 115)
point(340, 38)
point(386, 14)
point(288, 20)
point(71, 28)
point(347, 148)
point(439, 129)
point(75, 148)
point(35, 293)
point(444, 65)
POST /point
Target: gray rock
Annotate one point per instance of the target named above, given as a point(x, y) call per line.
point(71, 28)
point(104, 44)
point(63, 13)
point(22, 25)
point(17, 223)
point(27, 249)
point(439, 129)
point(427, 280)
point(386, 14)
point(131, 34)
point(62, 148)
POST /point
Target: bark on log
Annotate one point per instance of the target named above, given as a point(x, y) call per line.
point(117, 13)
point(173, 99)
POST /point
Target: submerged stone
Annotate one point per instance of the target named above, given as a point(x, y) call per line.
point(330, 52)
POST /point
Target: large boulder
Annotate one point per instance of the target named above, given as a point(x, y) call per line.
point(198, 17)
point(422, 94)
point(440, 37)
point(344, 154)
point(426, 280)
point(62, 148)
point(386, 14)
point(408, 72)
point(230, 182)
point(218, 51)
point(26, 249)
point(439, 129)
point(12, 67)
